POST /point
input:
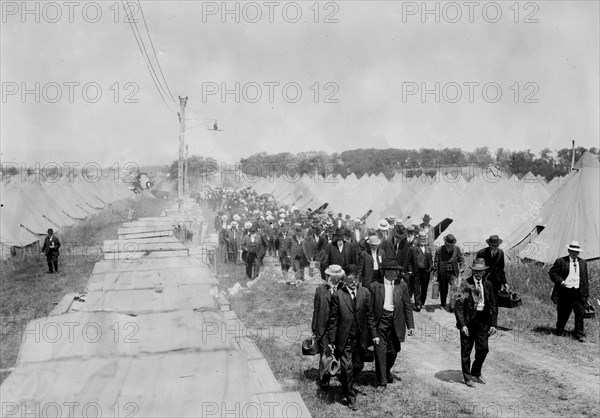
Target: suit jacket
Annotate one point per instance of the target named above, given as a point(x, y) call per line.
point(234, 237)
point(412, 263)
point(430, 235)
point(320, 319)
point(346, 257)
point(342, 314)
point(294, 248)
point(400, 254)
point(309, 245)
point(465, 308)
point(560, 270)
point(281, 242)
point(441, 256)
point(496, 273)
point(403, 314)
point(46, 247)
point(366, 265)
point(258, 247)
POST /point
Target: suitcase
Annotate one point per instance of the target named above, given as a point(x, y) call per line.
point(508, 299)
point(589, 311)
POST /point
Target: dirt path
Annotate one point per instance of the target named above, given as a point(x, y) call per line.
point(522, 379)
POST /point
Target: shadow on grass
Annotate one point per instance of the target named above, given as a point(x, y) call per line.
point(544, 330)
point(451, 376)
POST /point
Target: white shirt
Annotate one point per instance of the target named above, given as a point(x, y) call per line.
point(388, 300)
point(341, 247)
point(357, 234)
point(479, 285)
point(375, 261)
point(572, 280)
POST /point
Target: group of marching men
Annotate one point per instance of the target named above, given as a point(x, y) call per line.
point(372, 277)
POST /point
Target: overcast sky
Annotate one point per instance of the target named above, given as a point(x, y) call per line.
point(368, 65)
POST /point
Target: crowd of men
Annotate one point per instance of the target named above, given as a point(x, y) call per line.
point(375, 278)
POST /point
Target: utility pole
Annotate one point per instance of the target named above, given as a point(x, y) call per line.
point(186, 184)
point(573, 156)
point(181, 114)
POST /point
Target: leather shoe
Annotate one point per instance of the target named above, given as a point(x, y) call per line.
point(479, 379)
point(580, 339)
point(470, 383)
point(392, 378)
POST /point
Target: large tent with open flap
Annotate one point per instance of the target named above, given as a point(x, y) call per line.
point(571, 213)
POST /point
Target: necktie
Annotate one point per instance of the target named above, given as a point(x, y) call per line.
point(575, 266)
point(479, 288)
point(352, 292)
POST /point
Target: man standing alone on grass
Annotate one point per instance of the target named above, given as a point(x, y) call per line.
point(571, 290)
point(50, 250)
point(393, 314)
point(476, 316)
point(351, 329)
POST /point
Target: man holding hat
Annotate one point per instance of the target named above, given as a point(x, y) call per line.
point(448, 263)
point(476, 316)
point(369, 263)
point(419, 266)
point(50, 250)
point(351, 328)
point(320, 318)
point(571, 290)
point(494, 259)
point(392, 314)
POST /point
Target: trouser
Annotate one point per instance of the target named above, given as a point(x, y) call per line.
point(385, 352)
point(299, 264)
point(52, 260)
point(418, 284)
point(569, 300)
point(351, 363)
point(478, 336)
point(443, 281)
point(252, 265)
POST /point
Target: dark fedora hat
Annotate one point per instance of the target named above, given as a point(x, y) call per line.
point(310, 347)
point(351, 269)
point(426, 217)
point(493, 240)
point(390, 265)
point(400, 231)
point(450, 239)
point(50, 231)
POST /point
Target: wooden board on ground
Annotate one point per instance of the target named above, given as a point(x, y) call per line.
point(149, 279)
point(141, 245)
point(147, 234)
point(110, 334)
point(186, 296)
point(179, 384)
point(140, 229)
point(168, 263)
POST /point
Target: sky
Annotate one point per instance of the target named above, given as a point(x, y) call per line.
point(328, 76)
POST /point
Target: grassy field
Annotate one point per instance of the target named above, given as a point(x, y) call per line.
point(28, 292)
point(280, 316)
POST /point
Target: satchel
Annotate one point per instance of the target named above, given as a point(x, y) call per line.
point(589, 311)
point(508, 299)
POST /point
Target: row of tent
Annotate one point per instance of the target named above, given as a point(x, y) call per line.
point(30, 206)
point(536, 218)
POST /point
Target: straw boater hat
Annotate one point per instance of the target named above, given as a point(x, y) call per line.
point(574, 246)
point(373, 240)
point(479, 264)
point(282, 215)
point(493, 240)
point(422, 235)
point(248, 225)
point(383, 225)
point(449, 239)
point(334, 270)
point(236, 217)
point(268, 213)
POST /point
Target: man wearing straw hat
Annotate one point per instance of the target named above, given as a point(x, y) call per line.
point(351, 328)
point(320, 317)
point(369, 263)
point(571, 290)
point(476, 316)
point(392, 314)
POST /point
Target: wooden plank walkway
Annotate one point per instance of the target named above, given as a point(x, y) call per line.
point(147, 338)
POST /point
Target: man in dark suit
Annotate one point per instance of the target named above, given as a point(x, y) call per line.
point(281, 244)
point(429, 230)
point(571, 290)
point(340, 251)
point(419, 266)
point(494, 259)
point(392, 314)
point(320, 319)
point(396, 247)
point(448, 263)
point(351, 329)
point(369, 263)
point(50, 250)
point(476, 318)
